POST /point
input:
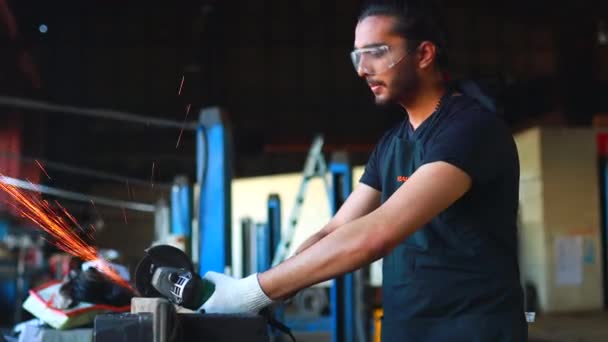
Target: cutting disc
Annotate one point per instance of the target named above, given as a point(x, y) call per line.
point(159, 256)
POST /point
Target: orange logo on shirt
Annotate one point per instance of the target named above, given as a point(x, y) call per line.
point(402, 179)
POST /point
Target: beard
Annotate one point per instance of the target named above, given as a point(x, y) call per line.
point(403, 86)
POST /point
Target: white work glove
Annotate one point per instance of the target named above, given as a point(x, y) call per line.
point(233, 295)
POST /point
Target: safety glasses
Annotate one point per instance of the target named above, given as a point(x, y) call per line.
point(375, 60)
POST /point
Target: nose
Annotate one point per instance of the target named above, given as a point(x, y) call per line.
point(361, 71)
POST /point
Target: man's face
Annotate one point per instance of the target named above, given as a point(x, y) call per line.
point(381, 58)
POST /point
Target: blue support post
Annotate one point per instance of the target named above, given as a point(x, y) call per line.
point(274, 222)
point(248, 247)
point(274, 229)
point(269, 234)
point(342, 290)
point(201, 161)
point(263, 243)
point(604, 216)
point(215, 177)
point(181, 208)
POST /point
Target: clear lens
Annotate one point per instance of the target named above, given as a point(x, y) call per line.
point(373, 60)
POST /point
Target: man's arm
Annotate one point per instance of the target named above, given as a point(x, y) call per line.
point(360, 202)
point(429, 191)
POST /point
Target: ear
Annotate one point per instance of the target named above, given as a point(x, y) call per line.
point(427, 53)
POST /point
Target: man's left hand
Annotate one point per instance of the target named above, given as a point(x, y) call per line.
point(233, 295)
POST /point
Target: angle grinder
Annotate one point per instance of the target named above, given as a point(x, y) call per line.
point(166, 271)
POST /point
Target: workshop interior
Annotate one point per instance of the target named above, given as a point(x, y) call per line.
point(142, 141)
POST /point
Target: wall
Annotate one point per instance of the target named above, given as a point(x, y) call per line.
point(560, 217)
point(249, 199)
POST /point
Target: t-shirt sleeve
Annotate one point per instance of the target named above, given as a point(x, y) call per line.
point(371, 174)
point(477, 143)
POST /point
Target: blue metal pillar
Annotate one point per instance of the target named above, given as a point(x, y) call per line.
point(604, 217)
point(248, 247)
point(274, 229)
point(181, 209)
point(269, 234)
point(214, 177)
point(263, 246)
point(274, 222)
point(342, 290)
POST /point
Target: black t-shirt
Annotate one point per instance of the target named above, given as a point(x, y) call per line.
point(478, 142)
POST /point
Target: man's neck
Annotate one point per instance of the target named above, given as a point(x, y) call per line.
point(423, 103)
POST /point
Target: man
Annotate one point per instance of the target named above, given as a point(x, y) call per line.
point(438, 201)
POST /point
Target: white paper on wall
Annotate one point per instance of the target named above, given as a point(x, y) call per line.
point(568, 260)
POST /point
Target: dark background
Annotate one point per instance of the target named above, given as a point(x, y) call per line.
point(282, 72)
point(280, 69)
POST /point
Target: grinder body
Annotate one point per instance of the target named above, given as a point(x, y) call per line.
point(182, 287)
point(167, 272)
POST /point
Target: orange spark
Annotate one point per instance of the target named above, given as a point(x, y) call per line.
point(68, 215)
point(182, 130)
point(152, 176)
point(91, 232)
point(179, 92)
point(43, 170)
point(179, 138)
point(96, 211)
point(129, 191)
point(54, 222)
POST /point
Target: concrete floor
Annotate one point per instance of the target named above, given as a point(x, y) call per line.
point(311, 337)
point(575, 327)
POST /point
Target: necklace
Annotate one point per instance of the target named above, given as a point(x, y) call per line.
point(440, 102)
point(433, 116)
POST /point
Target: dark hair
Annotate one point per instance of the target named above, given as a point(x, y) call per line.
point(417, 21)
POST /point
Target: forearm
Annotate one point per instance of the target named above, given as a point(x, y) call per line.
point(314, 238)
point(337, 253)
point(335, 223)
point(323, 232)
point(332, 225)
point(361, 202)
